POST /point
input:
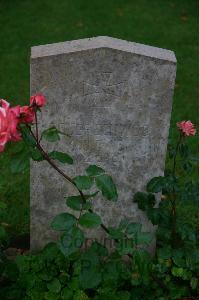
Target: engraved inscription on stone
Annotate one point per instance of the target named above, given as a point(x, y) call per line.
point(113, 99)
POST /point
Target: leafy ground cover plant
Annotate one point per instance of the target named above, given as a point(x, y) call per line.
point(66, 269)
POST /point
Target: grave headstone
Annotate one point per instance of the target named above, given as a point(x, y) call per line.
point(113, 99)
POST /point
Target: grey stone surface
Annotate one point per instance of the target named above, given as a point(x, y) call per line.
point(113, 98)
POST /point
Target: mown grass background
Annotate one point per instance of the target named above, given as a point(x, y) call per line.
point(171, 24)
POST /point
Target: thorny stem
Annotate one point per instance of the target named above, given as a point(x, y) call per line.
point(173, 200)
point(69, 179)
point(51, 162)
point(175, 155)
point(36, 125)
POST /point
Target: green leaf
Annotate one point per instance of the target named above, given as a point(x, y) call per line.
point(99, 249)
point(144, 238)
point(123, 224)
point(83, 182)
point(177, 272)
point(67, 293)
point(61, 157)
point(165, 252)
point(133, 228)
point(145, 201)
point(124, 295)
point(51, 134)
point(94, 170)
point(154, 215)
point(107, 187)
point(50, 251)
point(48, 296)
point(36, 154)
point(90, 277)
point(178, 259)
point(71, 241)
point(19, 162)
point(26, 135)
point(90, 220)
point(156, 184)
point(3, 205)
point(192, 258)
point(63, 222)
point(143, 264)
point(80, 295)
point(86, 206)
point(54, 286)
point(74, 202)
point(115, 233)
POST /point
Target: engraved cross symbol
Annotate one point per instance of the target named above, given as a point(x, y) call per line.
point(104, 84)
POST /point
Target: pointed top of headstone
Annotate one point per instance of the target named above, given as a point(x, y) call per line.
point(102, 42)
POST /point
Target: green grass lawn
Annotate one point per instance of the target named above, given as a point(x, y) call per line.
point(171, 24)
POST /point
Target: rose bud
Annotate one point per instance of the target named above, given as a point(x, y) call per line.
point(27, 114)
point(37, 100)
point(187, 128)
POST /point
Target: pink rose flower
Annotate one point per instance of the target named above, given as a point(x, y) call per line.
point(37, 100)
point(187, 128)
point(9, 119)
point(27, 114)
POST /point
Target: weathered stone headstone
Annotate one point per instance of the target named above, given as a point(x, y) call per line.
point(113, 98)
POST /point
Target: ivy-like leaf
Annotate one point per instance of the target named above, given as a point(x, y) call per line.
point(133, 228)
point(115, 233)
point(154, 215)
point(143, 264)
point(144, 238)
point(90, 275)
point(71, 241)
point(156, 184)
point(90, 220)
point(63, 222)
point(177, 272)
point(107, 187)
point(35, 154)
point(61, 157)
point(26, 135)
point(165, 252)
point(94, 170)
point(54, 286)
point(123, 224)
point(74, 202)
point(83, 182)
point(51, 134)
point(178, 259)
point(145, 201)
